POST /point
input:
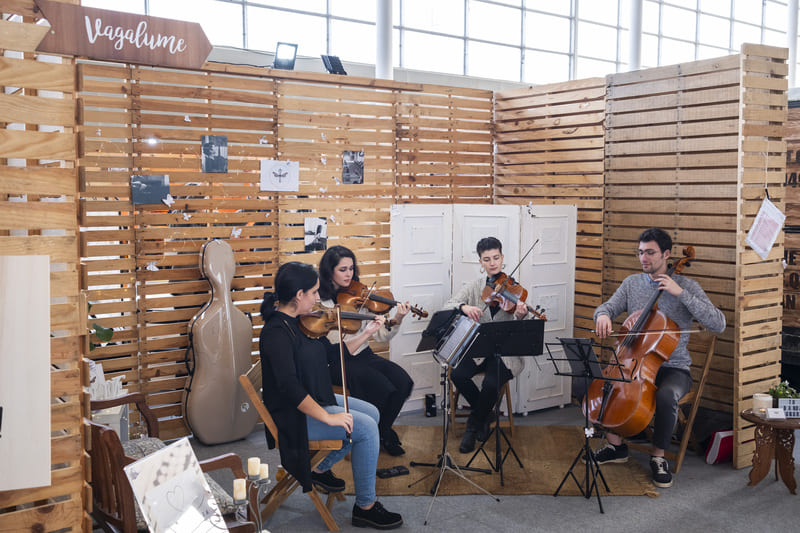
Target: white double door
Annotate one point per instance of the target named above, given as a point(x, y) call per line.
point(433, 255)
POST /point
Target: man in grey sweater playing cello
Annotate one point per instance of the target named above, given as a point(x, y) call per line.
point(682, 300)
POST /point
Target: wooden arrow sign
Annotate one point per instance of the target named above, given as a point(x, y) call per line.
point(124, 37)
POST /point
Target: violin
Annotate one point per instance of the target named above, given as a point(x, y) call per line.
point(323, 319)
point(359, 295)
point(505, 292)
point(647, 339)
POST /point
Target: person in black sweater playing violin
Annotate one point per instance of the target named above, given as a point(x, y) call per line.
point(682, 300)
point(469, 300)
point(371, 378)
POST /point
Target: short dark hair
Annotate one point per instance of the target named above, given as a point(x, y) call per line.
point(489, 243)
point(661, 237)
point(327, 265)
point(291, 277)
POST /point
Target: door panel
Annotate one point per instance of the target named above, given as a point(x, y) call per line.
point(474, 222)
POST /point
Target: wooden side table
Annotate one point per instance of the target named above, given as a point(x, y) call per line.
point(774, 440)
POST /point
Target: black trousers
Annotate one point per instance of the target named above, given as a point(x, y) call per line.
point(673, 384)
point(496, 374)
point(378, 381)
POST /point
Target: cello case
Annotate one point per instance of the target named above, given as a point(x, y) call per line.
point(216, 408)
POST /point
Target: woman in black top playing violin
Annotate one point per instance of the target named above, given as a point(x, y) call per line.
point(469, 300)
point(370, 377)
point(297, 391)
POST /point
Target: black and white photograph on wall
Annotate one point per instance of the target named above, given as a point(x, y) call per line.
point(149, 188)
point(215, 153)
point(353, 167)
point(316, 234)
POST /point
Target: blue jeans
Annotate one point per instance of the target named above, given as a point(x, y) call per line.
point(364, 444)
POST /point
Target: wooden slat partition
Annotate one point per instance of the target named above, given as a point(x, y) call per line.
point(791, 278)
point(549, 150)
point(759, 282)
point(38, 216)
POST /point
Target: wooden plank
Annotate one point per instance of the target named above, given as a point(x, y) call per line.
point(38, 215)
point(21, 37)
point(37, 110)
point(37, 144)
point(36, 74)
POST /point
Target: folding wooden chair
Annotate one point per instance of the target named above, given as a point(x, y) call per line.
point(685, 424)
point(251, 383)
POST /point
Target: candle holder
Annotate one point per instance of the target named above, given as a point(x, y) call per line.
point(259, 484)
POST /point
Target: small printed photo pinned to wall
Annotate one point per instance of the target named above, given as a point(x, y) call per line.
point(149, 188)
point(316, 234)
point(353, 167)
point(215, 153)
point(280, 175)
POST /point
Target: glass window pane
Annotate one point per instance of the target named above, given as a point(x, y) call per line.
point(547, 32)
point(126, 6)
point(544, 67)
point(678, 23)
point(775, 38)
point(716, 7)
point(396, 47)
point(494, 23)
point(650, 16)
point(356, 9)
point(747, 11)
point(714, 31)
point(222, 22)
point(676, 52)
point(316, 6)
point(745, 33)
point(624, 49)
point(418, 48)
point(267, 27)
point(776, 16)
point(649, 51)
point(515, 3)
point(604, 11)
point(597, 41)
point(589, 68)
point(442, 16)
point(557, 7)
point(352, 41)
point(689, 4)
point(493, 61)
point(709, 52)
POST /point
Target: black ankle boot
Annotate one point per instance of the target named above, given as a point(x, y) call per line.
point(376, 517)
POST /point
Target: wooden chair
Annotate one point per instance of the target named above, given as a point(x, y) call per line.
point(113, 505)
point(251, 383)
point(456, 413)
point(685, 423)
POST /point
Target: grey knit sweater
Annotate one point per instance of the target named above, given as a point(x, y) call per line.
point(636, 290)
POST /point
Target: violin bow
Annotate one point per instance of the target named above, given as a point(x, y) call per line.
point(341, 358)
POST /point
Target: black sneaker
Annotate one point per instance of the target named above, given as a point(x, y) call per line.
point(612, 454)
point(661, 474)
point(376, 517)
point(392, 448)
point(467, 441)
point(327, 482)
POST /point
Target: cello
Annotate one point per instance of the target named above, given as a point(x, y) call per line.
point(648, 338)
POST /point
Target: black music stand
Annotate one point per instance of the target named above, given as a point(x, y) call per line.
point(507, 338)
point(580, 355)
point(432, 339)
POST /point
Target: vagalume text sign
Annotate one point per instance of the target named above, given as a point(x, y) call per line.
point(124, 37)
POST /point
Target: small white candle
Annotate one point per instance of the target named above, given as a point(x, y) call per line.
point(253, 466)
point(761, 402)
point(264, 471)
point(239, 490)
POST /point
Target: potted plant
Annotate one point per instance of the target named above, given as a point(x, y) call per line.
point(782, 390)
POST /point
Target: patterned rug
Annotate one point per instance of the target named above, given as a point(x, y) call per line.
point(546, 453)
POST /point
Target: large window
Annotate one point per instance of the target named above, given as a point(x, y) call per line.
point(532, 41)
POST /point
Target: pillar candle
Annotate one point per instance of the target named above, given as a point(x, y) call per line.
point(264, 471)
point(761, 401)
point(239, 490)
point(253, 466)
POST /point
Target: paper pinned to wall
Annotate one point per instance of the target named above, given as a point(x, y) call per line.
point(765, 228)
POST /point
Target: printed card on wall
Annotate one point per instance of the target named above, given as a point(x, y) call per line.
point(24, 372)
point(765, 228)
point(215, 153)
point(353, 167)
point(149, 189)
point(316, 234)
point(280, 175)
point(172, 492)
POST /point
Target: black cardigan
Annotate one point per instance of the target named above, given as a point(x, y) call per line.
point(293, 366)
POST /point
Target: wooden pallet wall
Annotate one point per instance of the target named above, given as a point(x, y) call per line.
point(759, 282)
point(791, 278)
point(38, 216)
point(549, 150)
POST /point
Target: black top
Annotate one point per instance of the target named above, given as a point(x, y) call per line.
point(293, 366)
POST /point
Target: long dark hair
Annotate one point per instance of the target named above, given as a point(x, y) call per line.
point(327, 265)
point(291, 277)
